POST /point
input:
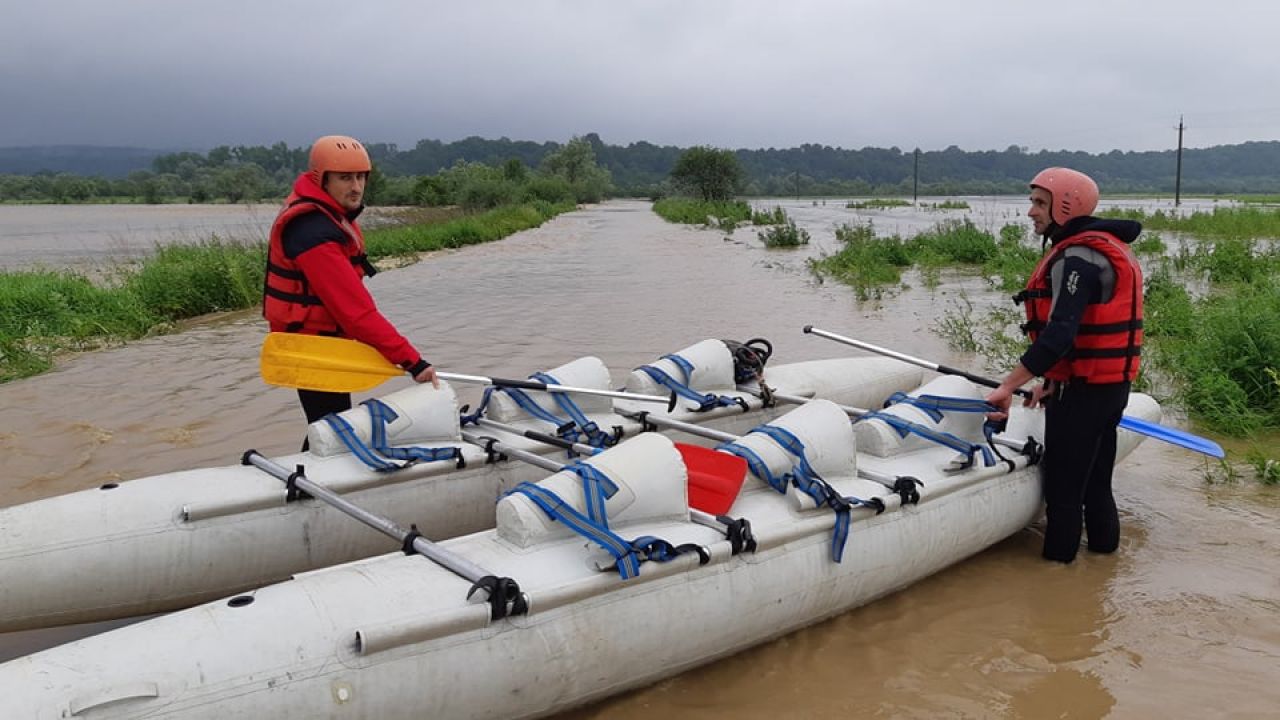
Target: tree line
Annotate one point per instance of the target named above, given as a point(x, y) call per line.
point(251, 173)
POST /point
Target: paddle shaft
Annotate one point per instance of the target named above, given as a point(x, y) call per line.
point(552, 387)
point(698, 516)
point(945, 370)
point(456, 564)
point(1164, 433)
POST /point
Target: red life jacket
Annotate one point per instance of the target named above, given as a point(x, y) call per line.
point(1108, 344)
point(287, 301)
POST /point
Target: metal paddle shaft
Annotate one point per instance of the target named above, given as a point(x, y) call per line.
point(698, 516)
point(1164, 433)
point(905, 358)
point(456, 564)
point(670, 402)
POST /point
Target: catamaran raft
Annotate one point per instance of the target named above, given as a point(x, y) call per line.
point(595, 578)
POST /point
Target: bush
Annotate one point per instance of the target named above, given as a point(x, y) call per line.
point(785, 235)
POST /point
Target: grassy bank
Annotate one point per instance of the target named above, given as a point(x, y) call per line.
point(45, 313)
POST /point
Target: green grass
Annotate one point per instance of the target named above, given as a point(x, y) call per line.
point(1232, 222)
point(702, 212)
point(1223, 351)
point(460, 232)
point(44, 313)
point(866, 261)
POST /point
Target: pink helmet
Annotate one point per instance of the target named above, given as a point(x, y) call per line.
point(1073, 193)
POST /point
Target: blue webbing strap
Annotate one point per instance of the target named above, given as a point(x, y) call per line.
point(348, 436)
point(939, 403)
point(807, 480)
point(756, 465)
point(804, 478)
point(705, 401)
point(627, 555)
point(380, 414)
point(906, 427)
point(532, 407)
point(527, 404)
point(624, 555)
point(935, 405)
point(471, 419)
point(595, 436)
point(596, 488)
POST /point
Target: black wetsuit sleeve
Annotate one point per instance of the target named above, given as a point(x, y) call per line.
point(1079, 285)
point(307, 231)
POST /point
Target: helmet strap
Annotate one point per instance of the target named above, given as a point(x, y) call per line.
point(1049, 231)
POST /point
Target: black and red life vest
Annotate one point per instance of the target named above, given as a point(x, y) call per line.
point(288, 303)
point(1108, 343)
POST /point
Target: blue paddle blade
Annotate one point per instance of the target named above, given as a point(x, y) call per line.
point(1173, 436)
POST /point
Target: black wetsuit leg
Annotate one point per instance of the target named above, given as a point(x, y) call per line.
point(1080, 451)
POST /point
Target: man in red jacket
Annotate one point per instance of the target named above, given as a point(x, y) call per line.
point(1084, 318)
point(316, 264)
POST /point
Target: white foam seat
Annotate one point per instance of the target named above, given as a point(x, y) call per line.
point(712, 363)
point(425, 417)
point(652, 487)
point(878, 438)
point(829, 446)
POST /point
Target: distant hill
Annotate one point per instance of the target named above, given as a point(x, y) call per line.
point(108, 162)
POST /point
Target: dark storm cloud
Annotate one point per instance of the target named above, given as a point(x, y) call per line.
point(981, 75)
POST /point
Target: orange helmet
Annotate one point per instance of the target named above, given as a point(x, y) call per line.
point(337, 153)
point(1073, 193)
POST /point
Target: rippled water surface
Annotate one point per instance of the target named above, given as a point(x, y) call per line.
point(1183, 621)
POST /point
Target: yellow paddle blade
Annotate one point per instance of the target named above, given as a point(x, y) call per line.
point(313, 362)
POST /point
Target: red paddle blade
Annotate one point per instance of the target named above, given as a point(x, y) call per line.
point(714, 478)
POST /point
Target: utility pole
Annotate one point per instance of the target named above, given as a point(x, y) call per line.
point(797, 185)
point(1177, 180)
point(915, 180)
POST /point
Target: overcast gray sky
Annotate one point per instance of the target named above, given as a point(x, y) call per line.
point(1087, 75)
